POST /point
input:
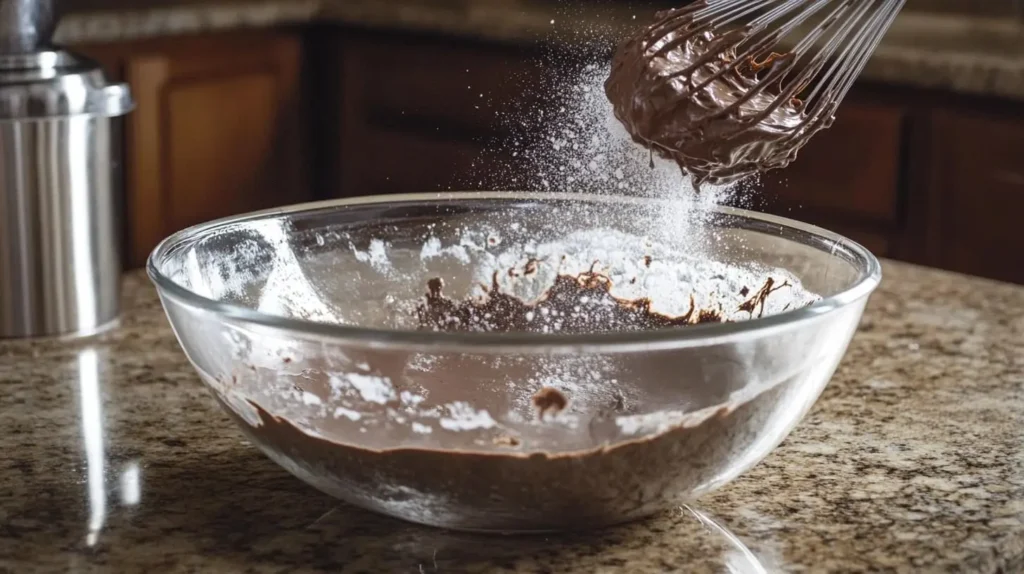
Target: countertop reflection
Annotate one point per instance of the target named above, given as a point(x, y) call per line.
point(114, 458)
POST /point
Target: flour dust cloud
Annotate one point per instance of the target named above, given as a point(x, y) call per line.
point(572, 143)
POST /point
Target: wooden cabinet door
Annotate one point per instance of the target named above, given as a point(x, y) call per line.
point(217, 132)
point(110, 57)
point(850, 178)
point(977, 180)
point(850, 171)
point(415, 112)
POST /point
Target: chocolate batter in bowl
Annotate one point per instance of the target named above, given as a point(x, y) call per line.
point(508, 361)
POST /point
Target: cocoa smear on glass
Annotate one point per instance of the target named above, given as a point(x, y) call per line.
point(653, 88)
point(521, 490)
point(515, 488)
point(572, 305)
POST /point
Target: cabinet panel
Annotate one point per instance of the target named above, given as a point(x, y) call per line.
point(977, 177)
point(218, 154)
point(217, 132)
point(877, 243)
point(110, 57)
point(399, 162)
point(412, 115)
point(851, 170)
point(464, 85)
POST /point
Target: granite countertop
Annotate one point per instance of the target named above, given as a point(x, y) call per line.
point(113, 458)
point(965, 54)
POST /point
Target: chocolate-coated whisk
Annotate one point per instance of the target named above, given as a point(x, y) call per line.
point(811, 49)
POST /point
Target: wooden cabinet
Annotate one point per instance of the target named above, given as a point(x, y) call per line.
point(849, 171)
point(417, 111)
point(218, 130)
point(850, 178)
point(977, 182)
point(221, 129)
point(891, 173)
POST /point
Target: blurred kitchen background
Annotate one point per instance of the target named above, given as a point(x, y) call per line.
point(248, 105)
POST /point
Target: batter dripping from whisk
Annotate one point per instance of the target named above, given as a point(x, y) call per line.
point(704, 88)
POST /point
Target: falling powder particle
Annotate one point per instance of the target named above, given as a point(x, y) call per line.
point(574, 143)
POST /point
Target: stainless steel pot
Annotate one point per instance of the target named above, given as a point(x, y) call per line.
point(60, 264)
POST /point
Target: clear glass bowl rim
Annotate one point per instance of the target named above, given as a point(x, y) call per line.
point(682, 337)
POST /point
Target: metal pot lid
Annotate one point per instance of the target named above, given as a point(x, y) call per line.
point(55, 84)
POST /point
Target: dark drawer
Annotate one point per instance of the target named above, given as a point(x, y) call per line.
point(464, 86)
point(401, 162)
point(851, 170)
point(977, 178)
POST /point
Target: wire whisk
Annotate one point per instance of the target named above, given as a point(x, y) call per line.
point(732, 87)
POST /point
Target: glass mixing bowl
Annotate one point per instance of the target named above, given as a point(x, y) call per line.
point(299, 321)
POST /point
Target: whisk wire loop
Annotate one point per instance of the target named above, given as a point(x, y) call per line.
point(787, 52)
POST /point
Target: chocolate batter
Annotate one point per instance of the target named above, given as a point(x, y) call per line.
point(519, 491)
point(582, 304)
point(668, 89)
point(492, 479)
point(573, 305)
point(549, 400)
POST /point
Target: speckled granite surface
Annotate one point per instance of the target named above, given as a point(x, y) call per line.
point(972, 55)
point(113, 458)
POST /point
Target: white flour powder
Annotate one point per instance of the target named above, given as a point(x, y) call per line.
point(641, 268)
point(582, 148)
